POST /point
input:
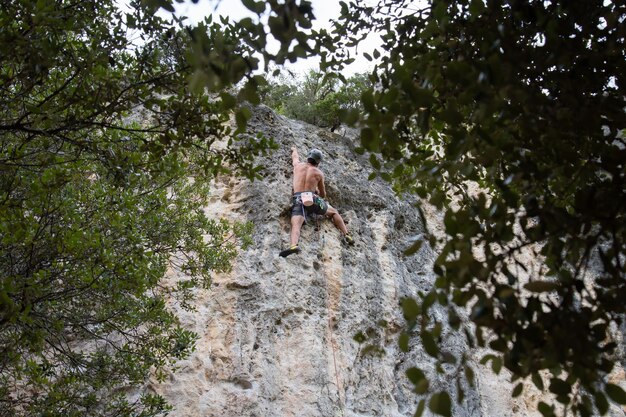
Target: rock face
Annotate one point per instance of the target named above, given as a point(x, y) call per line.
point(277, 334)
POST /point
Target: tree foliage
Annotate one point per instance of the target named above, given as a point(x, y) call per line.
point(105, 156)
point(316, 98)
point(524, 101)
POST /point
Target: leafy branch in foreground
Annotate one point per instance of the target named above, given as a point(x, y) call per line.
point(514, 111)
point(105, 157)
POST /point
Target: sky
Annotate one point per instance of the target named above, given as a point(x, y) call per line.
point(324, 11)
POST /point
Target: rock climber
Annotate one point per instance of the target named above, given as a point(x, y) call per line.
point(308, 197)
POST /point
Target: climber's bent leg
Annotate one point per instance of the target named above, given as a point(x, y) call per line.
point(334, 215)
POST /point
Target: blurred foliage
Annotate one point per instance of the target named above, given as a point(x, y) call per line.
point(509, 116)
point(316, 98)
point(107, 146)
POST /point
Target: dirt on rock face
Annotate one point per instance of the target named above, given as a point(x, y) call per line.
point(277, 334)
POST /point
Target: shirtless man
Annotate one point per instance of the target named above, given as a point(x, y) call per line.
point(307, 178)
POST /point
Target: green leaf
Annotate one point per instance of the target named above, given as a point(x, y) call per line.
point(486, 359)
point(254, 6)
point(403, 342)
point(420, 408)
point(453, 318)
point(165, 4)
point(228, 100)
point(545, 409)
point(448, 357)
point(359, 337)
point(410, 308)
point(421, 387)
point(440, 404)
point(615, 393)
point(367, 98)
point(300, 51)
point(413, 248)
point(250, 93)
point(241, 117)
point(197, 81)
point(415, 375)
point(249, 25)
point(537, 380)
point(430, 346)
point(429, 299)
point(601, 402)
point(374, 161)
point(559, 387)
point(517, 390)
point(369, 140)
point(496, 364)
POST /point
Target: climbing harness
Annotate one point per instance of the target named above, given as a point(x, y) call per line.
point(308, 203)
point(297, 199)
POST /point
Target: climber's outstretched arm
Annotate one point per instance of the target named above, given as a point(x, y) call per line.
point(295, 158)
point(321, 189)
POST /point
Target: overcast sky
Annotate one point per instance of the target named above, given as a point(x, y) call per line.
point(324, 11)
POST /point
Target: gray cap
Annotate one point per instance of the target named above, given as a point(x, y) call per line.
point(316, 155)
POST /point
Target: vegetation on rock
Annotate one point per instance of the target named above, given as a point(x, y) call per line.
point(316, 98)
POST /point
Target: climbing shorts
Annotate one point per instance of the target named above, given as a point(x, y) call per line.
point(319, 206)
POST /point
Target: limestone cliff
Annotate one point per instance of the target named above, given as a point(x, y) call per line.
point(276, 334)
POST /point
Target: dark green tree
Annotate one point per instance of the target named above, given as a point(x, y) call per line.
point(342, 102)
point(106, 149)
point(525, 100)
point(316, 98)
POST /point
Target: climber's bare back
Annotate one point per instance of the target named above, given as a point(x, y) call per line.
point(306, 177)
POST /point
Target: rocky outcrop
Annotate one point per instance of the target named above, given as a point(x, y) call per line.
point(277, 334)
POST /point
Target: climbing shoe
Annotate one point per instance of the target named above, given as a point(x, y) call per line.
point(348, 239)
point(287, 252)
